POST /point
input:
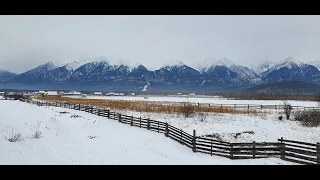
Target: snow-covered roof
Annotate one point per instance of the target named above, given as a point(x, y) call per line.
point(52, 93)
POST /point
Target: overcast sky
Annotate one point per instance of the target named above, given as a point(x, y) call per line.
point(28, 41)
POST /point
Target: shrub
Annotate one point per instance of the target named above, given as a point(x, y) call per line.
point(202, 116)
point(37, 133)
point(14, 137)
point(287, 109)
point(187, 110)
point(308, 118)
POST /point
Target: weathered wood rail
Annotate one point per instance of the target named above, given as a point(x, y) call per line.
point(289, 150)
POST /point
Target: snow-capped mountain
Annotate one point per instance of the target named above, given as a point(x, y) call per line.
point(34, 75)
point(209, 75)
point(264, 66)
point(290, 69)
point(6, 75)
point(243, 74)
point(206, 64)
point(315, 63)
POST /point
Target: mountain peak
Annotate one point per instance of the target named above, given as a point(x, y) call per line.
point(315, 63)
point(212, 62)
point(174, 63)
point(82, 61)
point(290, 60)
point(49, 65)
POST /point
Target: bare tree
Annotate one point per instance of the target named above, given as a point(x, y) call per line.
point(287, 109)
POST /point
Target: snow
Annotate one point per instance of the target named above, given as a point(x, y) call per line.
point(315, 63)
point(263, 67)
point(211, 100)
point(212, 62)
point(65, 140)
point(52, 93)
point(76, 64)
point(174, 63)
point(289, 63)
point(202, 83)
point(145, 88)
point(266, 127)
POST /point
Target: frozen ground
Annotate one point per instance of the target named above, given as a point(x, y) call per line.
point(90, 139)
point(213, 100)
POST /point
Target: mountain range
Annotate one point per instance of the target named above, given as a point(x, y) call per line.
point(209, 75)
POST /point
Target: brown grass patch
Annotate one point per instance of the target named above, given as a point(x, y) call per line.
point(152, 107)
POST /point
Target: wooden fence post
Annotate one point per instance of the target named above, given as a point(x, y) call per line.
point(108, 113)
point(167, 130)
point(131, 123)
point(91, 109)
point(254, 149)
point(248, 106)
point(282, 150)
point(221, 105)
point(261, 106)
point(275, 106)
point(231, 151)
point(318, 153)
point(211, 148)
point(158, 127)
point(181, 136)
point(119, 117)
point(148, 126)
point(114, 115)
point(198, 105)
point(140, 122)
point(194, 141)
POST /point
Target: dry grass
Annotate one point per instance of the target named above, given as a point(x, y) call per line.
point(150, 107)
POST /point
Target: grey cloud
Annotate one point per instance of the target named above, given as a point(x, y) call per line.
point(28, 41)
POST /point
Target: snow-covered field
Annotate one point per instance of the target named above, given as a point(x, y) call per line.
point(211, 100)
point(266, 126)
point(90, 139)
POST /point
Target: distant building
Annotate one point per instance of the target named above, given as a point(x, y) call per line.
point(133, 94)
point(192, 94)
point(52, 93)
point(73, 93)
point(121, 94)
point(97, 93)
point(110, 94)
point(179, 94)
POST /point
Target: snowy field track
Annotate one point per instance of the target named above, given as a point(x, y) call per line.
point(74, 137)
point(211, 100)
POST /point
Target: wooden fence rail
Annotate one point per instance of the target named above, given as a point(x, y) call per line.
point(289, 150)
point(214, 105)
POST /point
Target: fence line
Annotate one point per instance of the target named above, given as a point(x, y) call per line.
point(213, 105)
point(289, 150)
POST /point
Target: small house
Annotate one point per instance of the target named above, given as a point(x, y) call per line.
point(52, 93)
point(133, 94)
point(97, 93)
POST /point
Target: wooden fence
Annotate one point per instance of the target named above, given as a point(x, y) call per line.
point(214, 105)
point(294, 151)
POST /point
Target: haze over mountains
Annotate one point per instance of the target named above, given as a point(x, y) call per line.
point(207, 75)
